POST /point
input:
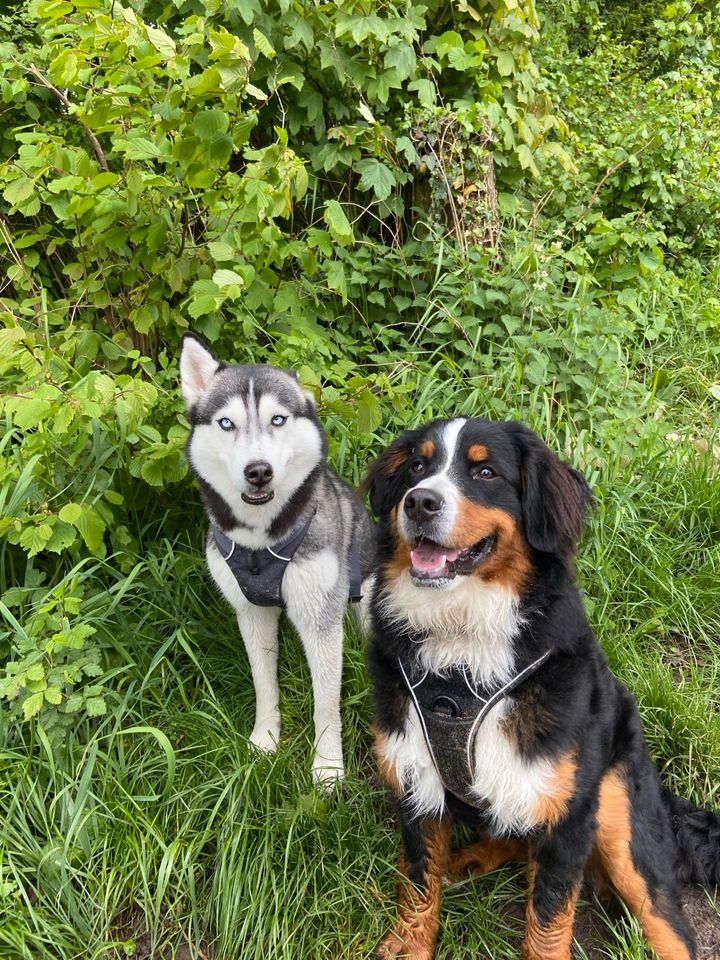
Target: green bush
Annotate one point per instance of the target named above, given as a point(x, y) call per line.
point(426, 209)
point(373, 195)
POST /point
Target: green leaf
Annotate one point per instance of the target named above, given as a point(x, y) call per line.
point(405, 146)
point(29, 413)
point(219, 150)
point(204, 304)
point(140, 148)
point(505, 63)
point(32, 705)
point(336, 279)
point(450, 40)
point(70, 513)
point(35, 673)
point(527, 161)
point(178, 276)
point(369, 412)
point(96, 707)
point(75, 637)
point(207, 124)
point(88, 523)
point(263, 45)
point(53, 695)
point(63, 536)
point(375, 176)
point(34, 538)
point(161, 41)
point(221, 252)
point(402, 59)
point(425, 90)
point(200, 176)
point(227, 278)
point(145, 317)
point(64, 68)
point(19, 190)
point(10, 337)
point(340, 227)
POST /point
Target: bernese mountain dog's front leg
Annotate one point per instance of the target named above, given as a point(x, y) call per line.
point(426, 849)
point(559, 855)
point(555, 881)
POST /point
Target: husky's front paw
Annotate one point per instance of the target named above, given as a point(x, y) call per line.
point(265, 735)
point(326, 773)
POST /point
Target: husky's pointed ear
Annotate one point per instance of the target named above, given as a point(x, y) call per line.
point(382, 482)
point(198, 365)
point(555, 498)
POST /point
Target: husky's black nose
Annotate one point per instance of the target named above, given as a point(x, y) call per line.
point(258, 473)
point(422, 505)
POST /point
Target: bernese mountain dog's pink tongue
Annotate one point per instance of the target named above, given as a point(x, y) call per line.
point(430, 557)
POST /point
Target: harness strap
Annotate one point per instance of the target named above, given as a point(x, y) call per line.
point(284, 552)
point(511, 685)
point(355, 574)
point(259, 573)
point(461, 724)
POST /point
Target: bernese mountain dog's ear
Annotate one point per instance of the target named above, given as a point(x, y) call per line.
point(381, 482)
point(555, 498)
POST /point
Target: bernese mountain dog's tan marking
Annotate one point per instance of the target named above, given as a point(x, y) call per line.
point(509, 564)
point(476, 604)
point(477, 859)
point(614, 842)
point(418, 917)
point(553, 806)
point(549, 940)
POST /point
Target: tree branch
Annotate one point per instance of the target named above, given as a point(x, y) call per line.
point(94, 142)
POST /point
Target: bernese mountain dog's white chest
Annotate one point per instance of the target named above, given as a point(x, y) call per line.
point(509, 789)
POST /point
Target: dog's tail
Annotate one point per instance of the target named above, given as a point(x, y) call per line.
point(697, 832)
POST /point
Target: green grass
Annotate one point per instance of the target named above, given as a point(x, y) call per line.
point(158, 832)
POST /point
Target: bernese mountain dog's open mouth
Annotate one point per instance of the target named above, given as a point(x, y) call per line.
point(433, 565)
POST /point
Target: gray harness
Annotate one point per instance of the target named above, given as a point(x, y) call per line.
point(451, 710)
point(259, 573)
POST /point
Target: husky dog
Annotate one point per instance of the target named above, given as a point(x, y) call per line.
point(285, 531)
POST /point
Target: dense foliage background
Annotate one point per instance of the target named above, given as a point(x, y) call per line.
point(425, 208)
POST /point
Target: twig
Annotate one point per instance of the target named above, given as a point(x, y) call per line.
point(606, 176)
point(94, 142)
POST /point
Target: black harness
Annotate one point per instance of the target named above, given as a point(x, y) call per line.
point(451, 710)
point(259, 573)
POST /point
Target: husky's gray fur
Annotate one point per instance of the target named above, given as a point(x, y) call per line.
point(269, 420)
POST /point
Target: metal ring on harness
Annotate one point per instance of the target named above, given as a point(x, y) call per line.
point(445, 706)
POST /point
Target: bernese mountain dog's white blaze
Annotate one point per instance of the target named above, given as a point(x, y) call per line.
point(494, 704)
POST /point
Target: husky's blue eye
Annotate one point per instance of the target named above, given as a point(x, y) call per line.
point(278, 420)
point(226, 423)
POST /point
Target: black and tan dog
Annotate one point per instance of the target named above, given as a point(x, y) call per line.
point(495, 706)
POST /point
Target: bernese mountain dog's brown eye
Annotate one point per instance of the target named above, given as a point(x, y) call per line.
point(418, 468)
point(484, 473)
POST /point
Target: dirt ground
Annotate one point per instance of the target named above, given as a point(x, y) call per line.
point(702, 914)
point(593, 931)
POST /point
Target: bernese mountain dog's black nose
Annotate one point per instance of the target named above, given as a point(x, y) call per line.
point(422, 505)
